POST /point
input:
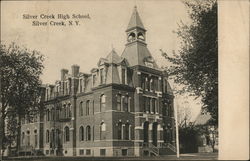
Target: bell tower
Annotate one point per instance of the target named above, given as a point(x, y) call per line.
point(135, 30)
point(136, 51)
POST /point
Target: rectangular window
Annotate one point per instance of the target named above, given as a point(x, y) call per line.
point(48, 115)
point(152, 88)
point(144, 104)
point(156, 84)
point(147, 104)
point(93, 133)
point(123, 76)
point(80, 85)
point(93, 107)
point(147, 84)
point(81, 109)
point(125, 103)
point(57, 114)
point(88, 151)
point(102, 152)
point(143, 82)
point(81, 151)
point(124, 152)
point(52, 114)
point(66, 87)
point(153, 105)
point(118, 102)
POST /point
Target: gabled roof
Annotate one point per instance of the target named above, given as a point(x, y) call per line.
point(202, 119)
point(135, 21)
point(169, 89)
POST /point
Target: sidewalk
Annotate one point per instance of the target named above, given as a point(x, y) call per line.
point(189, 156)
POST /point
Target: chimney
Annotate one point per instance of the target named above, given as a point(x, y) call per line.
point(63, 73)
point(75, 70)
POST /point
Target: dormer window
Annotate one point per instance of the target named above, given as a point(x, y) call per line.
point(149, 61)
point(123, 76)
point(102, 76)
point(94, 80)
point(149, 64)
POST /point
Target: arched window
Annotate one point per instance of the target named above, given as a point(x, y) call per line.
point(87, 107)
point(125, 103)
point(81, 134)
point(127, 131)
point(66, 134)
point(131, 37)
point(140, 36)
point(28, 138)
point(88, 133)
point(102, 103)
point(35, 138)
point(119, 130)
point(52, 135)
point(118, 102)
point(81, 109)
point(47, 136)
point(102, 130)
point(57, 137)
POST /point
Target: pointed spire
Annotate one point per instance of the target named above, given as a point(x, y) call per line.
point(135, 20)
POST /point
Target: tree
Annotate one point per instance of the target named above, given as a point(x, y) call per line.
point(196, 64)
point(20, 71)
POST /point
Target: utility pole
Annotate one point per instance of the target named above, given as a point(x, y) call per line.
point(177, 128)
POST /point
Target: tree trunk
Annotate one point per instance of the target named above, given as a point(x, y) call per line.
point(2, 132)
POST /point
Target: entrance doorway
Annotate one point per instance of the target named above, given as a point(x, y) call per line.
point(145, 132)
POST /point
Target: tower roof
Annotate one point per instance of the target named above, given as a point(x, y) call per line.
point(135, 20)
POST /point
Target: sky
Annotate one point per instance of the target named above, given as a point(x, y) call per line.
point(84, 45)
